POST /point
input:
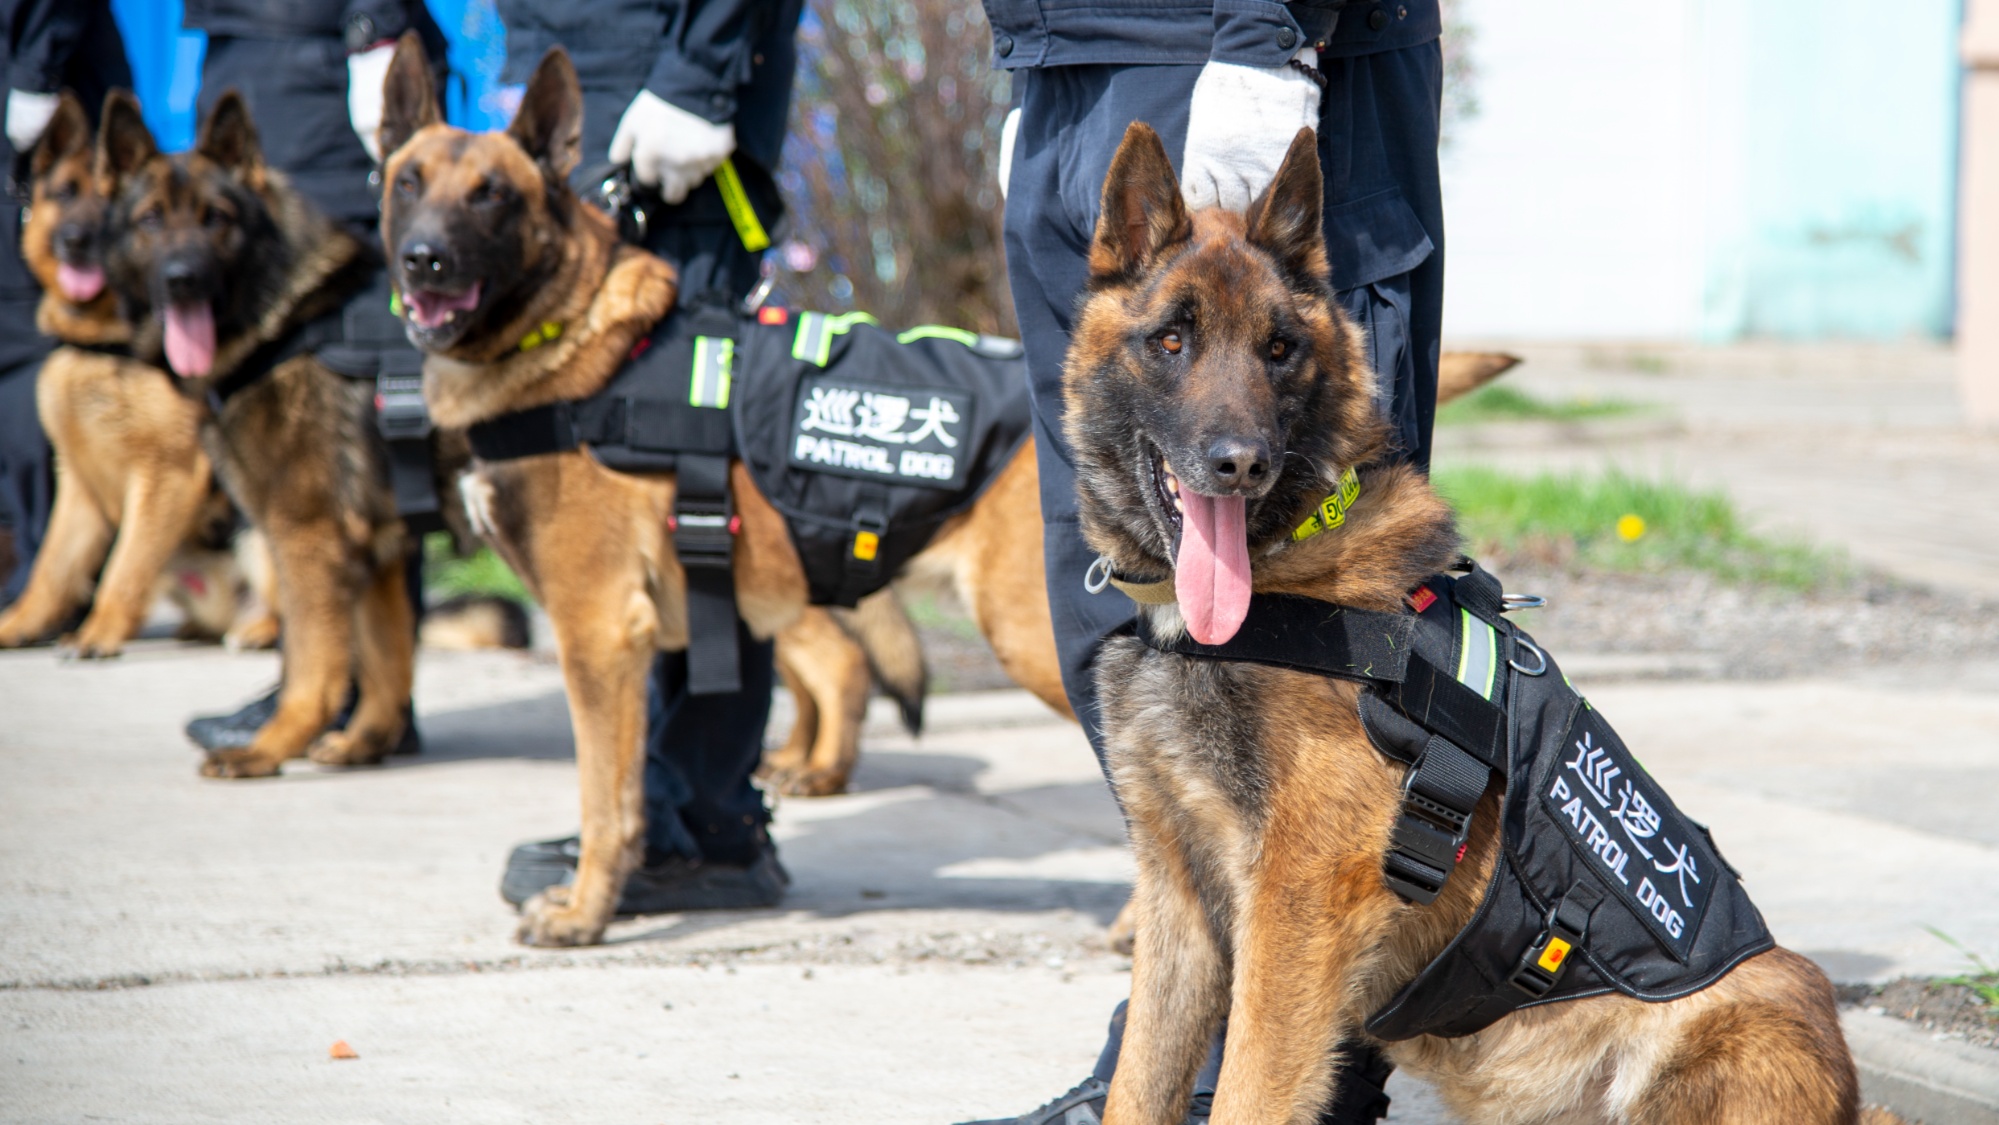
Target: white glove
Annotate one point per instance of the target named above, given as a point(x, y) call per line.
point(1240, 123)
point(1009, 133)
point(28, 114)
point(366, 73)
point(668, 147)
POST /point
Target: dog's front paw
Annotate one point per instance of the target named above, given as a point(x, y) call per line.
point(14, 633)
point(89, 643)
point(548, 920)
point(240, 764)
point(348, 748)
point(257, 633)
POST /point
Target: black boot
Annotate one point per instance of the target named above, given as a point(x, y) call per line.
point(665, 884)
point(238, 728)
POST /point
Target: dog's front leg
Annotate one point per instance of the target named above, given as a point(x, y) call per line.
point(1299, 947)
point(607, 645)
point(159, 508)
point(385, 645)
point(1179, 988)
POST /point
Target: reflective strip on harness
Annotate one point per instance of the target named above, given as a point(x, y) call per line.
point(814, 342)
point(938, 332)
point(714, 362)
point(1478, 659)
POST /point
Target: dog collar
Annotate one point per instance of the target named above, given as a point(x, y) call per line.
point(1332, 511)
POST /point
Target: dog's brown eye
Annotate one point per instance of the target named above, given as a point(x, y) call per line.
point(1171, 342)
point(1279, 349)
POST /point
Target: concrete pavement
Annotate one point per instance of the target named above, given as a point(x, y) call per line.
point(183, 950)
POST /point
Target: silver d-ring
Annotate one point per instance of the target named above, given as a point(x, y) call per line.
point(1511, 602)
point(1098, 576)
point(1514, 663)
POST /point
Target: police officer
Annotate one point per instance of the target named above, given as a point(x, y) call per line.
point(52, 45)
point(1227, 88)
point(672, 89)
point(311, 72)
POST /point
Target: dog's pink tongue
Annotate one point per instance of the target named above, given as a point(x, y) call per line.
point(79, 283)
point(1211, 574)
point(190, 339)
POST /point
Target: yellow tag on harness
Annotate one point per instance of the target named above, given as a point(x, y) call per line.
point(866, 543)
point(1553, 956)
point(1332, 511)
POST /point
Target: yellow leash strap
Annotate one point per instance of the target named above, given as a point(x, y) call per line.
point(737, 202)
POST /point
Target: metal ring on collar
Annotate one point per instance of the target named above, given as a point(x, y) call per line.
point(1511, 602)
point(1514, 662)
point(1098, 576)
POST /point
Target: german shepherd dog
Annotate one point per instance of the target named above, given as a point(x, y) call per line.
point(1215, 393)
point(133, 480)
point(488, 242)
point(215, 260)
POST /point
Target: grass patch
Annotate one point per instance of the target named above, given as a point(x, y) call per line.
point(1501, 403)
point(446, 575)
point(1620, 522)
point(1982, 980)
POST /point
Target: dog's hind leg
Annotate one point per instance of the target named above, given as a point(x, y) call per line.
point(1179, 990)
point(315, 600)
point(384, 669)
point(790, 758)
point(606, 642)
point(1765, 1049)
point(160, 510)
point(818, 656)
point(65, 570)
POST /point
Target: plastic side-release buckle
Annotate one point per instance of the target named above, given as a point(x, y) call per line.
point(399, 409)
point(1542, 965)
point(1438, 797)
point(703, 531)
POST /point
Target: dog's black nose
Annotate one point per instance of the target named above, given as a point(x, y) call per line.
point(182, 278)
point(421, 261)
point(73, 240)
point(1239, 462)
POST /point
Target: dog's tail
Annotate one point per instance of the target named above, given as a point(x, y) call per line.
point(895, 653)
point(470, 622)
point(1461, 373)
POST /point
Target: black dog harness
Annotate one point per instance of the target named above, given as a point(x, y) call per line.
point(1602, 883)
point(865, 440)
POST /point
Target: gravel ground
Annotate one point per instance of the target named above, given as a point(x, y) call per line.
point(1939, 1006)
point(1743, 631)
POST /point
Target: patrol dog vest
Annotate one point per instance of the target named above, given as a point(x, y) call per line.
point(1601, 884)
point(866, 441)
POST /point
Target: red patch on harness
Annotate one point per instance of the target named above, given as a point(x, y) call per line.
point(772, 314)
point(639, 348)
point(1421, 598)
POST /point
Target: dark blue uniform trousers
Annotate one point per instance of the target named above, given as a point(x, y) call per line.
point(701, 750)
point(1384, 226)
point(27, 474)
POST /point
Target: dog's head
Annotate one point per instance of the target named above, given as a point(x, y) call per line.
point(1215, 391)
point(472, 224)
point(59, 238)
point(190, 236)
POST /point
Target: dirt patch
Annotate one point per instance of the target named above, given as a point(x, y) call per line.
point(1933, 1005)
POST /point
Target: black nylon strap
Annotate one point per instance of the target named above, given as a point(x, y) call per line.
point(268, 356)
point(1438, 702)
point(1438, 797)
point(705, 544)
point(1481, 593)
point(1310, 636)
point(525, 433)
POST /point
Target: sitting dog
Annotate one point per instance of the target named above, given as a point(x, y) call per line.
point(134, 483)
point(506, 248)
point(1315, 788)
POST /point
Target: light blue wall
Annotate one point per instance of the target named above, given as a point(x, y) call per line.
point(1831, 135)
point(166, 64)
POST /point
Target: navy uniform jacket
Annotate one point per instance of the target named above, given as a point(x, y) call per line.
point(52, 45)
point(1263, 33)
point(289, 60)
point(729, 61)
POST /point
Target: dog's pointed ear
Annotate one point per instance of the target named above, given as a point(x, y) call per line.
point(409, 95)
point(1288, 220)
point(68, 133)
point(1142, 213)
point(230, 139)
point(124, 144)
point(549, 124)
